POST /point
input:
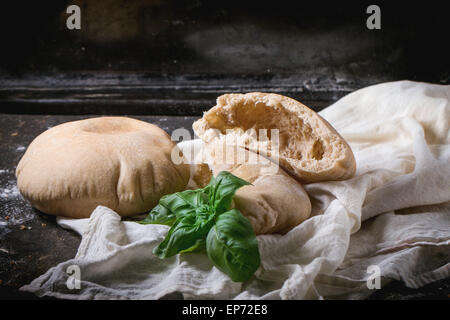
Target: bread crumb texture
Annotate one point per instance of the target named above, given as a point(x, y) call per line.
point(285, 130)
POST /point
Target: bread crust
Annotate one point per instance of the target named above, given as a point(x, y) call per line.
point(274, 202)
point(118, 162)
point(310, 149)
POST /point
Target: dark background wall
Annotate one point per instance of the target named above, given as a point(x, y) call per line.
point(175, 57)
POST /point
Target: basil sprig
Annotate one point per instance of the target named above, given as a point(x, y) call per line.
point(202, 220)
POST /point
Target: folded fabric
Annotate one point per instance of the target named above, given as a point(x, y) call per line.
point(394, 215)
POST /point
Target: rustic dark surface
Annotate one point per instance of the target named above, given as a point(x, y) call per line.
point(139, 94)
point(31, 242)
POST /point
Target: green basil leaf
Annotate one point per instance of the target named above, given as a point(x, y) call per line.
point(232, 246)
point(176, 205)
point(159, 215)
point(186, 234)
point(201, 220)
point(199, 246)
point(221, 190)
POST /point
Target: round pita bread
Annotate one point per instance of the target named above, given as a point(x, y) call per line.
point(118, 162)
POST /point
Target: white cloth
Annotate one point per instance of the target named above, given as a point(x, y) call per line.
point(395, 214)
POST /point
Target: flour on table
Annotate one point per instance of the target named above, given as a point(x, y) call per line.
point(10, 198)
